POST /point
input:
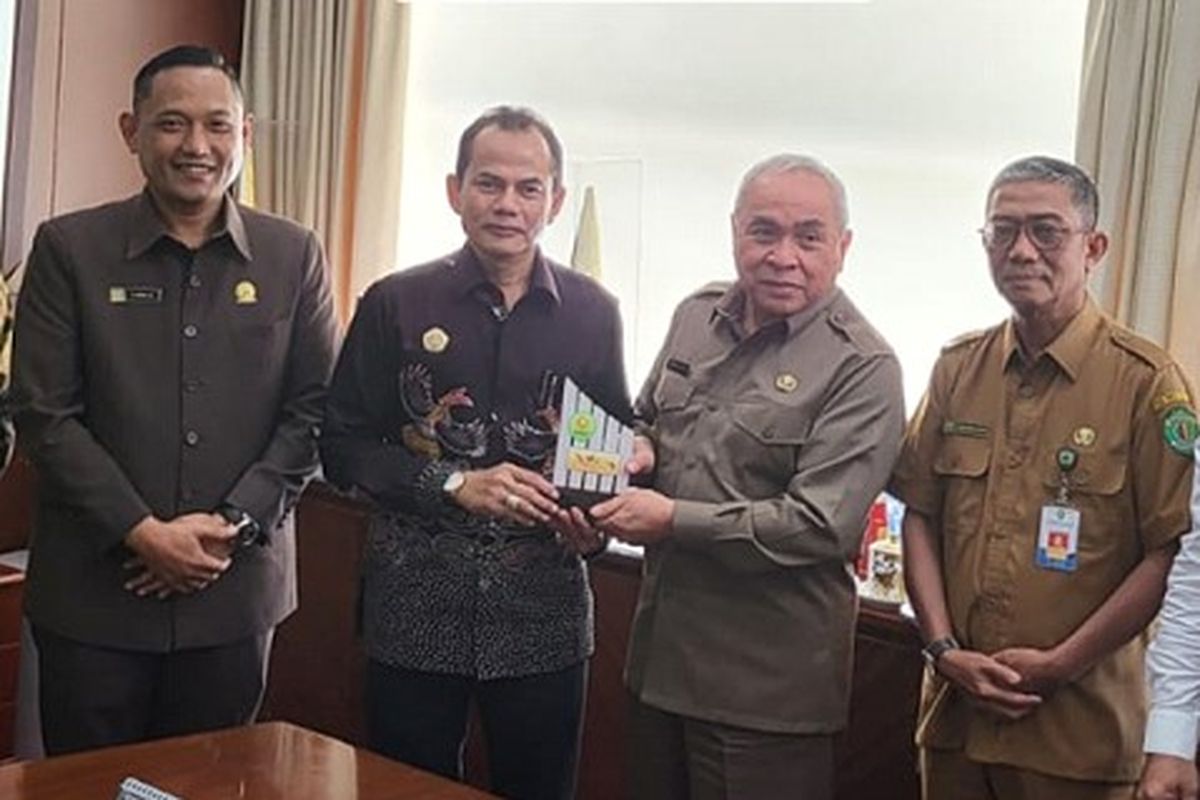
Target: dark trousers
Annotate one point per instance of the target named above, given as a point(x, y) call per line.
point(532, 725)
point(93, 696)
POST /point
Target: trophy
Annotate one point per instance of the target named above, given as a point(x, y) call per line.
point(592, 449)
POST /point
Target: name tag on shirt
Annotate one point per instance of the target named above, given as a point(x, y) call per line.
point(1058, 539)
point(135, 295)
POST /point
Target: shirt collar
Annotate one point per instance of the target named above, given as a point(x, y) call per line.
point(473, 276)
point(1070, 347)
point(731, 309)
point(146, 227)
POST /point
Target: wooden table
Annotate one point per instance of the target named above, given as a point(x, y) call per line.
point(270, 761)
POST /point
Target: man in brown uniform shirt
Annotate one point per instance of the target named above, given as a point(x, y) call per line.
point(171, 356)
point(1046, 475)
point(775, 411)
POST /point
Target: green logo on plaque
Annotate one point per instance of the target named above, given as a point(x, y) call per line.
point(583, 425)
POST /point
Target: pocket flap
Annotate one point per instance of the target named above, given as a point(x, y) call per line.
point(963, 457)
point(771, 424)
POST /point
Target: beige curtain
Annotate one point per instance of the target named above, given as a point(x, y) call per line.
point(325, 81)
point(1139, 136)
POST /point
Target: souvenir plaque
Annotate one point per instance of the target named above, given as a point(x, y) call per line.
point(593, 447)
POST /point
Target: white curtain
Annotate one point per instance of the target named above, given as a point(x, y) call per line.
point(1139, 137)
point(325, 81)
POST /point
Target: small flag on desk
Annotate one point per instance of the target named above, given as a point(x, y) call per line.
point(585, 255)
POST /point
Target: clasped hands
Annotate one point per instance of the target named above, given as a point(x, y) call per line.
point(178, 556)
point(1009, 683)
point(506, 491)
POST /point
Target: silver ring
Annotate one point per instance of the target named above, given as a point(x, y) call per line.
point(512, 502)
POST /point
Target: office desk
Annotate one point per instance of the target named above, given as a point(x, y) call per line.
point(270, 761)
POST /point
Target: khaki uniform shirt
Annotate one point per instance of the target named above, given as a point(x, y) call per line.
point(773, 445)
point(980, 460)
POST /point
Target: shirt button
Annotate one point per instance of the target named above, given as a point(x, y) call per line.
point(191, 386)
point(192, 438)
point(194, 281)
point(1025, 390)
point(768, 433)
point(190, 331)
point(1014, 459)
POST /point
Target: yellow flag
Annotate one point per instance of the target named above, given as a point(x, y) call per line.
point(585, 255)
point(246, 188)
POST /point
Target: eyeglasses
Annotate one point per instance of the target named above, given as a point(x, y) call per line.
point(1047, 236)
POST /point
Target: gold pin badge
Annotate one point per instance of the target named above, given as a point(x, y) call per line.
point(245, 293)
point(1084, 437)
point(435, 340)
point(786, 382)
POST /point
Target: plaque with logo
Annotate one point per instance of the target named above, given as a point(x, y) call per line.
point(593, 447)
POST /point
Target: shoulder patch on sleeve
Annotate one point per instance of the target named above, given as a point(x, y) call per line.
point(1178, 397)
point(1180, 429)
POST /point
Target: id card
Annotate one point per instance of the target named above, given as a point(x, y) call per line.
point(1058, 539)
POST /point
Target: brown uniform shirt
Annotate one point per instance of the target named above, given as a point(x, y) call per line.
point(980, 460)
point(773, 445)
point(154, 379)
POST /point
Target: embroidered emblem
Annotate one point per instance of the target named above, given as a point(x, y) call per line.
point(1180, 429)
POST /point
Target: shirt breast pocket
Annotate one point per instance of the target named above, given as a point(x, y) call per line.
point(962, 465)
point(769, 439)
point(672, 392)
point(1096, 487)
point(260, 344)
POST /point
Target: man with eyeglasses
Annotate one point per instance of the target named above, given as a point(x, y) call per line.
point(1046, 480)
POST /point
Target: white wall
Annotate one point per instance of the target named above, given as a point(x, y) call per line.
point(915, 103)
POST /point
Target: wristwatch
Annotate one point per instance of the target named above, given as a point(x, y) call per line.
point(247, 531)
point(454, 481)
point(937, 648)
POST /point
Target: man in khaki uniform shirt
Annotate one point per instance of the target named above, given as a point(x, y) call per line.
point(775, 411)
point(1046, 474)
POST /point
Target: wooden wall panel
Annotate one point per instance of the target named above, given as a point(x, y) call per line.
point(317, 668)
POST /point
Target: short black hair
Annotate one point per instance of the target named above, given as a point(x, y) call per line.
point(510, 118)
point(1045, 169)
point(184, 55)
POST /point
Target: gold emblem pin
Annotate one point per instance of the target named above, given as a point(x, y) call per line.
point(1084, 437)
point(786, 382)
point(435, 340)
point(245, 293)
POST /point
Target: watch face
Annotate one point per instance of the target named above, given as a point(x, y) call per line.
point(454, 482)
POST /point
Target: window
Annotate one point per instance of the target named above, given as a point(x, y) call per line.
point(916, 104)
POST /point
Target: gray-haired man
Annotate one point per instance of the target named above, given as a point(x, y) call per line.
point(774, 411)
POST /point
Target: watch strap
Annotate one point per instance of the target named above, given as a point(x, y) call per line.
point(938, 647)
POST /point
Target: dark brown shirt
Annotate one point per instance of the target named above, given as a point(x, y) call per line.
point(980, 460)
point(154, 379)
point(437, 375)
